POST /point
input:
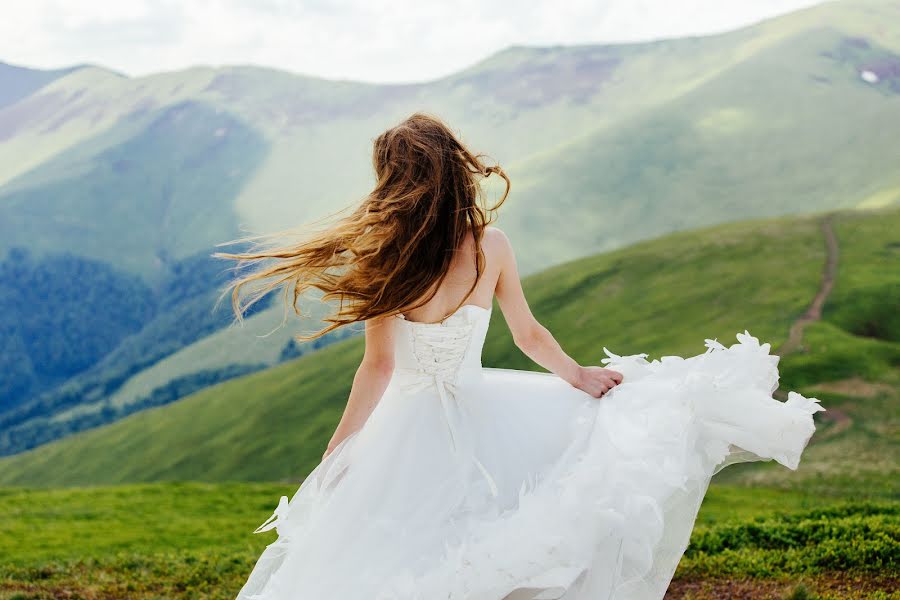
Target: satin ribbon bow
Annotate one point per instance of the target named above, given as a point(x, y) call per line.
point(277, 517)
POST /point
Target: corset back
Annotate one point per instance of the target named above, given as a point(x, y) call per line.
point(443, 351)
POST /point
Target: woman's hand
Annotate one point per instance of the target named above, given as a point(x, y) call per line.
point(596, 381)
point(332, 444)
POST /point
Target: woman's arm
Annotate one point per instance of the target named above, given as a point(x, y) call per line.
point(370, 381)
point(534, 339)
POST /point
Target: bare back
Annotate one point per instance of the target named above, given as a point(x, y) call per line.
point(459, 280)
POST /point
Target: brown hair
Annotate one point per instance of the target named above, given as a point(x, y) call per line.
point(391, 253)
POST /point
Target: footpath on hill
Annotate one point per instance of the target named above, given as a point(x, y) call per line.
point(794, 343)
point(814, 312)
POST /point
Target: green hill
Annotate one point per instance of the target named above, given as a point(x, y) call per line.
point(662, 296)
point(754, 141)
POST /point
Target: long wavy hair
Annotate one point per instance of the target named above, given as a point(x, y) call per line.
point(391, 252)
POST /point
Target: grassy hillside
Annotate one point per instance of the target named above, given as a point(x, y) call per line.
point(739, 145)
point(141, 202)
point(663, 297)
point(851, 361)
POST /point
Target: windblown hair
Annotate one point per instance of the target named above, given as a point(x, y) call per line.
point(391, 253)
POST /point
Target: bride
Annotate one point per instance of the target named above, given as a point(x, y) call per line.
point(446, 479)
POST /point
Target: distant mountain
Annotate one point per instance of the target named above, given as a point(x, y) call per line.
point(74, 330)
point(663, 296)
point(54, 327)
point(620, 142)
point(606, 145)
point(19, 82)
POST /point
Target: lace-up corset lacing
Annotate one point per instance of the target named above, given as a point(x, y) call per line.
point(439, 351)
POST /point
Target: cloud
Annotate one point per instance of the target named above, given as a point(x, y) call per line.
point(364, 40)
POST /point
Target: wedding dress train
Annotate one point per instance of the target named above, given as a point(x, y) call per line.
point(473, 483)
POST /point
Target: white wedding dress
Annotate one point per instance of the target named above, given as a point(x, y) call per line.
point(472, 483)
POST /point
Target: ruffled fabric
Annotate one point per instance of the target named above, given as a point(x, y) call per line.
point(614, 517)
point(575, 498)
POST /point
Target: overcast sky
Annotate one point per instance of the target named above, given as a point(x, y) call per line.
point(364, 40)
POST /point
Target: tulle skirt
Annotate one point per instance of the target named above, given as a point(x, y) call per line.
point(515, 485)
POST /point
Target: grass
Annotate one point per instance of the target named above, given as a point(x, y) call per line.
point(851, 538)
point(195, 540)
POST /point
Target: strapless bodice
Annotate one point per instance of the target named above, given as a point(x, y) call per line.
point(446, 350)
point(442, 357)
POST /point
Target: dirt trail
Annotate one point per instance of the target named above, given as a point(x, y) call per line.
point(828, 585)
point(794, 343)
point(814, 312)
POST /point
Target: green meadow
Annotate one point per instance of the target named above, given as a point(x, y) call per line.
point(195, 540)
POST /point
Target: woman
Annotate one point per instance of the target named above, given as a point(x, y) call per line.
point(445, 479)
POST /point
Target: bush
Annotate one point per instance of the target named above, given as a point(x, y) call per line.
point(852, 538)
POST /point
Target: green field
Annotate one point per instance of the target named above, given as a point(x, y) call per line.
point(195, 540)
point(118, 522)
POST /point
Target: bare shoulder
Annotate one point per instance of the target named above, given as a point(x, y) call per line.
point(496, 241)
point(497, 245)
point(493, 234)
